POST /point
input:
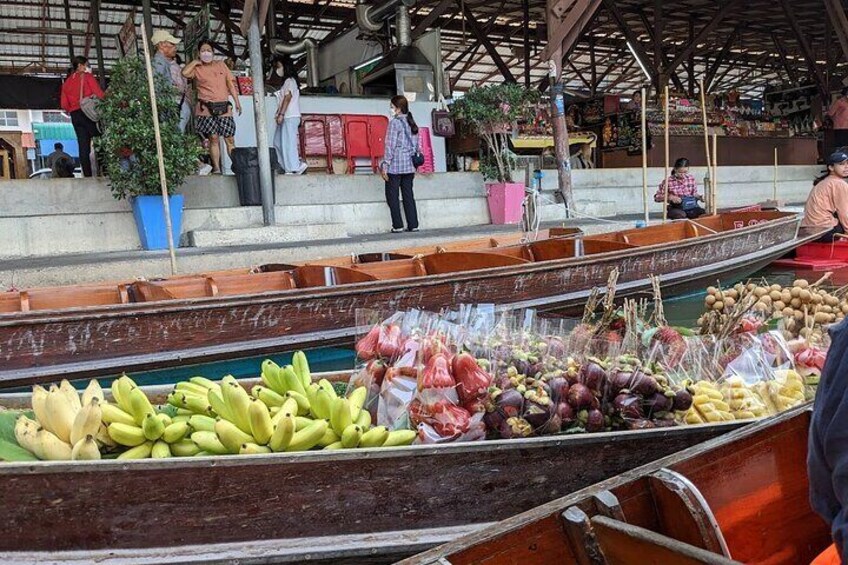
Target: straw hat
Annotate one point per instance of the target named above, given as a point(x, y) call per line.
point(161, 35)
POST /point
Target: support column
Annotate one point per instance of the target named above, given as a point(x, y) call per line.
point(254, 40)
point(147, 17)
point(526, 7)
point(68, 24)
point(101, 65)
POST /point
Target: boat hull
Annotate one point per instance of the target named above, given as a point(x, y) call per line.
point(104, 340)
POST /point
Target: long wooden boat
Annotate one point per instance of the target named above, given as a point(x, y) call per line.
point(742, 497)
point(350, 506)
point(286, 306)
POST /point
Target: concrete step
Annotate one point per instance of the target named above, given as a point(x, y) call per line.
point(266, 235)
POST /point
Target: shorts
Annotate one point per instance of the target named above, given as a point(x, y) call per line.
point(207, 126)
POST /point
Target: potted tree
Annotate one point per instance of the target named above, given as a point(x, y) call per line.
point(491, 111)
point(127, 149)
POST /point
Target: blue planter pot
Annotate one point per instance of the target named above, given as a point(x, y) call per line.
point(149, 213)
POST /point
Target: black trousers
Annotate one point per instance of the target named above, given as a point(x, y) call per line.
point(678, 213)
point(828, 237)
point(397, 186)
point(86, 130)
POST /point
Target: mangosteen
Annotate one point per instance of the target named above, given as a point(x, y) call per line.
point(494, 419)
point(510, 402)
point(515, 428)
point(555, 346)
point(595, 421)
point(629, 406)
point(566, 413)
point(593, 375)
point(553, 426)
point(658, 403)
point(558, 388)
point(579, 396)
point(618, 381)
point(682, 400)
point(643, 384)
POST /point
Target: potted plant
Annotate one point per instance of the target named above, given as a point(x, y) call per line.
point(491, 111)
point(127, 149)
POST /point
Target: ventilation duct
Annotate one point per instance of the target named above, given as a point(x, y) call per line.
point(308, 46)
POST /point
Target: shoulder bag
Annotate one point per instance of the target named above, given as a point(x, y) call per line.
point(417, 156)
point(89, 104)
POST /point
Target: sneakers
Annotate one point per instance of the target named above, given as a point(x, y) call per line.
point(206, 169)
point(301, 169)
point(397, 230)
point(413, 230)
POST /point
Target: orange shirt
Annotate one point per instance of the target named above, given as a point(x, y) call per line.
point(827, 198)
point(212, 81)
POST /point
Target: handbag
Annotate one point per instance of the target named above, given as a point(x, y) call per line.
point(688, 203)
point(443, 124)
point(217, 108)
point(417, 155)
point(89, 104)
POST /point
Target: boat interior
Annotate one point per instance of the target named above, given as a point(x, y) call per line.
point(745, 500)
point(459, 256)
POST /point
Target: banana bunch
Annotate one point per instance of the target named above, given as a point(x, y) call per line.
point(784, 392)
point(744, 403)
point(708, 405)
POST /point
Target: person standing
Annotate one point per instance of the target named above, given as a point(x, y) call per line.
point(165, 65)
point(827, 205)
point(683, 194)
point(583, 158)
point(81, 84)
point(396, 168)
point(58, 152)
point(838, 113)
point(215, 86)
point(288, 122)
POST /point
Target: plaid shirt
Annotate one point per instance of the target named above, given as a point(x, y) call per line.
point(679, 187)
point(400, 146)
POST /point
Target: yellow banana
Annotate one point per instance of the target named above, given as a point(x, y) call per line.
point(129, 436)
point(351, 436)
point(308, 438)
point(121, 392)
point(268, 396)
point(253, 449)
point(85, 449)
point(330, 437)
point(328, 388)
point(175, 432)
point(73, 396)
point(160, 450)
point(166, 420)
point(112, 413)
point(334, 446)
point(209, 442)
point(310, 393)
point(39, 404)
point(271, 376)
point(205, 383)
point(87, 421)
point(399, 438)
point(182, 418)
point(50, 447)
point(93, 390)
point(261, 427)
point(291, 381)
point(303, 407)
point(364, 419)
point(238, 403)
point(375, 437)
point(61, 414)
point(283, 433)
point(142, 451)
point(322, 403)
point(197, 404)
point(152, 427)
point(140, 405)
point(288, 407)
point(357, 401)
point(301, 422)
point(184, 448)
point(25, 433)
point(103, 438)
point(216, 401)
point(301, 368)
point(340, 415)
point(231, 436)
point(201, 423)
point(191, 388)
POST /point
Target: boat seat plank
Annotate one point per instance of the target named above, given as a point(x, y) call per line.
point(390, 270)
point(72, 297)
point(10, 301)
point(683, 513)
point(454, 262)
point(517, 251)
point(231, 285)
point(553, 249)
point(581, 537)
point(172, 289)
point(593, 246)
point(625, 544)
point(314, 276)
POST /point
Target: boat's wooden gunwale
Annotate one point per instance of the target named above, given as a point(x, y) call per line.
point(341, 292)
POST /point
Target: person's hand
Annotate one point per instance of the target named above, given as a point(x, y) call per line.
point(279, 119)
point(699, 198)
point(674, 199)
point(385, 175)
point(238, 108)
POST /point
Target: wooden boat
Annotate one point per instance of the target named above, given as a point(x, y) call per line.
point(349, 506)
point(200, 318)
point(742, 497)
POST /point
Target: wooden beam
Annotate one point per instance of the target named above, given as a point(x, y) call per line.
point(690, 70)
point(593, 66)
point(805, 47)
point(580, 76)
point(485, 41)
point(563, 27)
point(525, 8)
point(437, 12)
point(661, 59)
point(631, 38)
point(836, 11)
point(723, 12)
point(68, 25)
point(722, 56)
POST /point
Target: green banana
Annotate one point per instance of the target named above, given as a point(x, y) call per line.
point(197, 404)
point(334, 446)
point(283, 433)
point(320, 404)
point(167, 420)
point(253, 449)
point(261, 427)
point(291, 381)
point(128, 436)
point(231, 436)
point(216, 401)
point(330, 437)
point(364, 419)
point(351, 436)
point(184, 448)
point(152, 427)
point(308, 438)
point(184, 412)
point(303, 407)
point(205, 383)
point(120, 392)
point(200, 423)
point(209, 442)
point(271, 376)
point(301, 368)
point(327, 386)
point(302, 422)
point(160, 450)
point(310, 392)
point(289, 407)
point(226, 379)
point(238, 402)
point(340, 415)
point(138, 452)
point(191, 388)
point(139, 405)
point(357, 401)
point(175, 432)
point(375, 437)
point(85, 449)
point(181, 418)
point(399, 438)
point(268, 396)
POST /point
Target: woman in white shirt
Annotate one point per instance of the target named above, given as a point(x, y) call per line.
point(288, 122)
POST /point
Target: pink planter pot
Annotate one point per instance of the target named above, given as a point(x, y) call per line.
point(505, 202)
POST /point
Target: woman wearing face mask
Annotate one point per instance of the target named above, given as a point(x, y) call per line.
point(275, 77)
point(397, 168)
point(827, 205)
point(215, 86)
point(683, 194)
point(81, 84)
point(288, 122)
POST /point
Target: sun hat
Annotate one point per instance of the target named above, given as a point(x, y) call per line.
point(161, 35)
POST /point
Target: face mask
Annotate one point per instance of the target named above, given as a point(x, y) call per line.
point(206, 56)
point(279, 72)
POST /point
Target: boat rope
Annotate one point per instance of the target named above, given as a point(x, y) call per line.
point(703, 226)
point(549, 200)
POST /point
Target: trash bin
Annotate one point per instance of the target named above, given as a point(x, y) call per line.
point(246, 168)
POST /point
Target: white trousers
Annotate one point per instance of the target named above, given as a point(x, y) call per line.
point(286, 144)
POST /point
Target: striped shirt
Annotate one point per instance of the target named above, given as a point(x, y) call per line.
point(400, 146)
point(680, 187)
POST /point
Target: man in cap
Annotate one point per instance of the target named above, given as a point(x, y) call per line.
point(165, 64)
point(827, 205)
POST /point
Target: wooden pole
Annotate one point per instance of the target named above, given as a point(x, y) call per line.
point(667, 158)
point(714, 198)
point(163, 180)
point(774, 196)
point(645, 154)
point(707, 181)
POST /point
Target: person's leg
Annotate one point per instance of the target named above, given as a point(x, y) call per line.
point(185, 115)
point(84, 140)
point(695, 213)
point(393, 200)
point(676, 213)
point(409, 208)
point(278, 146)
point(215, 153)
point(290, 162)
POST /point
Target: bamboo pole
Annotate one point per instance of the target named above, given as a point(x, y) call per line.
point(163, 181)
point(645, 154)
point(714, 184)
point(666, 171)
point(774, 196)
point(707, 180)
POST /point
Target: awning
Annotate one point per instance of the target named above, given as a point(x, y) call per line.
point(57, 131)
